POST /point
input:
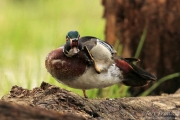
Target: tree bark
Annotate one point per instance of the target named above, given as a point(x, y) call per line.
point(160, 54)
point(32, 105)
point(11, 111)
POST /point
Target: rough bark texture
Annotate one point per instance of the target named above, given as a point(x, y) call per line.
point(10, 111)
point(126, 20)
point(70, 105)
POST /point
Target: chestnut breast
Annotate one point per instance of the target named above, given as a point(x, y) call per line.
point(62, 67)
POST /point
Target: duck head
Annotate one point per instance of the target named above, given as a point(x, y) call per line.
point(72, 46)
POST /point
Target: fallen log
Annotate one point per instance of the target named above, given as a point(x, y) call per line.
point(64, 103)
point(11, 111)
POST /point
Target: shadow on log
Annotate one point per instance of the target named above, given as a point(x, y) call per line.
point(62, 104)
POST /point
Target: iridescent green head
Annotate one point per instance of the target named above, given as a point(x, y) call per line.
point(72, 46)
point(72, 35)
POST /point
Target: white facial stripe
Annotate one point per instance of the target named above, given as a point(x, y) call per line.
point(71, 53)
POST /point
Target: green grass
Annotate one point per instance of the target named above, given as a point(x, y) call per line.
point(154, 86)
point(30, 29)
point(141, 43)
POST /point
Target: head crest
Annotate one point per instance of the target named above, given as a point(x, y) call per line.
point(72, 34)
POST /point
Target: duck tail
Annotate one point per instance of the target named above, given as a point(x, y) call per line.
point(133, 75)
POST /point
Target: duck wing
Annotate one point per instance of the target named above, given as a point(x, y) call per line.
point(91, 42)
point(133, 75)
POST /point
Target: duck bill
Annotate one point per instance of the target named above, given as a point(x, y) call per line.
point(75, 50)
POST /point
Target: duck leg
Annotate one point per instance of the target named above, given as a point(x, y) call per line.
point(84, 93)
point(90, 57)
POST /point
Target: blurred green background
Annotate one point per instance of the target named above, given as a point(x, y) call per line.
point(30, 29)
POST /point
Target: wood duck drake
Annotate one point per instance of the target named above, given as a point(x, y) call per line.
point(87, 63)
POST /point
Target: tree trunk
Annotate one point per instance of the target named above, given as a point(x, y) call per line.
point(160, 54)
point(63, 104)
